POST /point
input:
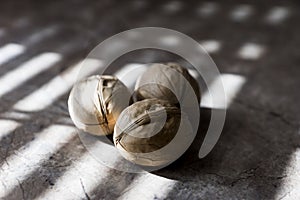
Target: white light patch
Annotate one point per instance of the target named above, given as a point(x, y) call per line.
point(29, 69)
point(207, 9)
point(82, 177)
point(7, 126)
point(277, 15)
point(2, 32)
point(169, 40)
point(241, 12)
point(21, 22)
point(173, 6)
point(290, 182)
point(251, 51)
point(232, 85)
point(14, 115)
point(41, 34)
point(10, 51)
point(211, 46)
point(149, 186)
point(194, 73)
point(20, 165)
point(58, 86)
point(130, 73)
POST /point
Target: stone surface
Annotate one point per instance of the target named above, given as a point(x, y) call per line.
point(257, 156)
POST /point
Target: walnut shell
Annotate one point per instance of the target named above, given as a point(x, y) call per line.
point(96, 102)
point(152, 132)
point(168, 82)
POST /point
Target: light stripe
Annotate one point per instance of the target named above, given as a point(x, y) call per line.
point(169, 40)
point(290, 178)
point(10, 51)
point(20, 165)
point(217, 99)
point(194, 73)
point(19, 116)
point(148, 186)
point(58, 86)
point(7, 126)
point(241, 12)
point(277, 15)
point(83, 177)
point(207, 9)
point(2, 32)
point(41, 34)
point(232, 84)
point(29, 69)
point(22, 22)
point(251, 51)
point(211, 46)
point(130, 73)
point(173, 6)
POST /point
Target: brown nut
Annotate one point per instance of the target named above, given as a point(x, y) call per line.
point(168, 82)
point(96, 102)
point(152, 132)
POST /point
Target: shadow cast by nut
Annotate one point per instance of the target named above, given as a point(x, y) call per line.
point(191, 154)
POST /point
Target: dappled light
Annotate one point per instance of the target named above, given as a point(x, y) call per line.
point(43, 47)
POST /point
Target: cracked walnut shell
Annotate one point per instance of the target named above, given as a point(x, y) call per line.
point(170, 82)
point(96, 102)
point(152, 133)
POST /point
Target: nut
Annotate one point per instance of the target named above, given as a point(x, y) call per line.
point(96, 102)
point(168, 82)
point(152, 132)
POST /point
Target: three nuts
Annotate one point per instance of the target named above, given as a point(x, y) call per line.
point(152, 131)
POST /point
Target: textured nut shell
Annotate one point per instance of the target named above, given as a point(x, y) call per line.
point(135, 142)
point(96, 102)
point(164, 81)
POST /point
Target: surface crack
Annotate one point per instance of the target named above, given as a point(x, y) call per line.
point(285, 195)
point(22, 189)
point(274, 114)
point(85, 193)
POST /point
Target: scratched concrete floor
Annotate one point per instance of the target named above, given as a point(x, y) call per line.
point(257, 156)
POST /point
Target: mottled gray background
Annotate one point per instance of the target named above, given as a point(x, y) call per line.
point(257, 156)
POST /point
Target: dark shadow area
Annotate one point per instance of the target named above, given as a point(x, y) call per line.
point(251, 155)
point(191, 154)
point(108, 186)
point(256, 145)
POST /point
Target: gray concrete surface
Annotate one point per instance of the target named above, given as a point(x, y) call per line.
point(257, 156)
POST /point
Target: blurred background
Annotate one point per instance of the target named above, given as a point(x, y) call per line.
point(255, 45)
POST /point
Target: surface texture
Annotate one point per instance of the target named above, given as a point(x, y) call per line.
point(257, 156)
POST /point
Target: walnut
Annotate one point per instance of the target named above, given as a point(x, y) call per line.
point(152, 132)
point(169, 82)
point(96, 102)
